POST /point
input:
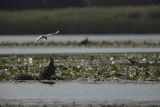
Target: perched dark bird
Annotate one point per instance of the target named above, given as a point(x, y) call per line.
point(84, 42)
point(49, 70)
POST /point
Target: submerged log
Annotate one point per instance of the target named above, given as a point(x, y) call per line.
point(24, 77)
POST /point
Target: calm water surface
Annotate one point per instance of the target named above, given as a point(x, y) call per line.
point(120, 37)
point(64, 91)
point(58, 50)
point(69, 50)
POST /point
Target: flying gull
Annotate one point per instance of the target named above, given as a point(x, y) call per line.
point(44, 36)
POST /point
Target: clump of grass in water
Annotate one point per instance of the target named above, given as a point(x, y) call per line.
point(96, 67)
point(86, 43)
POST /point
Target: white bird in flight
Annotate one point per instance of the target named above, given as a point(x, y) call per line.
point(44, 36)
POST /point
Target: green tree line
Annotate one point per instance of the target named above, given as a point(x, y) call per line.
point(127, 19)
point(50, 4)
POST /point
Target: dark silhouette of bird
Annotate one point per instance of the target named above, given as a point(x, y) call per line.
point(49, 70)
point(84, 42)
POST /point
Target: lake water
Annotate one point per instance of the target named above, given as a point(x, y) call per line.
point(120, 37)
point(80, 91)
point(36, 92)
point(69, 50)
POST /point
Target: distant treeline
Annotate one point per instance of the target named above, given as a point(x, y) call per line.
point(113, 20)
point(50, 4)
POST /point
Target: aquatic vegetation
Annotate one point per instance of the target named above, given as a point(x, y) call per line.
point(24, 77)
point(95, 67)
point(85, 42)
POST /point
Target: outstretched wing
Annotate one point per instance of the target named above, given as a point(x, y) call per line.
point(39, 38)
point(57, 32)
point(52, 33)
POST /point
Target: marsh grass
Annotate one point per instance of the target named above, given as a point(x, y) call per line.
point(140, 19)
point(82, 43)
point(96, 67)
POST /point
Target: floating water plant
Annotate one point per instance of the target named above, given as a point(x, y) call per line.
point(96, 67)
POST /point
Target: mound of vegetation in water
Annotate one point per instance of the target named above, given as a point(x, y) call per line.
point(95, 67)
point(87, 43)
